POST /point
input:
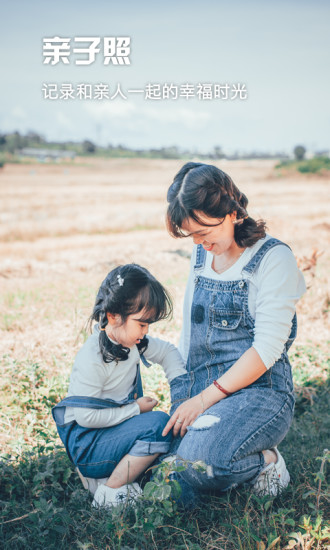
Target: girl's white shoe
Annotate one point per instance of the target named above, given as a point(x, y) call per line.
point(273, 479)
point(107, 496)
point(89, 483)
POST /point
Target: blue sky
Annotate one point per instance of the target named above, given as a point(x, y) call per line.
point(280, 51)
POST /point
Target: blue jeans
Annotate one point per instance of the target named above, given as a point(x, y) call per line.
point(97, 451)
point(230, 436)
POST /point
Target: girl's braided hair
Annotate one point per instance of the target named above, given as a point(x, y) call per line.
point(127, 290)
point(203, 188)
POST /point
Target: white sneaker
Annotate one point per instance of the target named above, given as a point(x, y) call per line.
point(108, 497)
point(89, 483)
point(273, 479)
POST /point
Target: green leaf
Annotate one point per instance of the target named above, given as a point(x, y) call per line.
point(149, 489)
point(67, 473)
point(268, 504)
point(199, 465)
point(273, 543)
point(309, 493)
point(162, 492)
point(176, 488)
point(290, 521)
point(147, 527)
point(167, 504)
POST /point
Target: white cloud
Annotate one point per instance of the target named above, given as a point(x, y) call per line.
point(115, 109)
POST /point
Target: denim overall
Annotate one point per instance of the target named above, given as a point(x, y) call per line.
point(230, 435)
point(97, 451)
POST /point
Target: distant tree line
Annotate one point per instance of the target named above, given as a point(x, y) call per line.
point(13, 143)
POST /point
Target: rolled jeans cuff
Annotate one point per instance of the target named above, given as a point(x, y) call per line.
point(146, 448)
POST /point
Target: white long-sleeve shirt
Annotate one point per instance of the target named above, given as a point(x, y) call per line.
point(92, 377)
point(275, 287)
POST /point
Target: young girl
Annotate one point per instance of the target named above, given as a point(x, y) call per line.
point(108, 428)
point(235, 404)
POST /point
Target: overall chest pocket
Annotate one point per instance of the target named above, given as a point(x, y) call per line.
point(225, 319)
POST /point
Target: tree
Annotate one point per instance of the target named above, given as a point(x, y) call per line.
point(88, 146)
point(299, 152)
point(2, 141)
point(34, 137)
point(217, 152)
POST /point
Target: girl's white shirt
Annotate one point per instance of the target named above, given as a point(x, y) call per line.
point(92, 377)
point(274, 289)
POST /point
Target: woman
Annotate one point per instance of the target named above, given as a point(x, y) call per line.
point(235, 404)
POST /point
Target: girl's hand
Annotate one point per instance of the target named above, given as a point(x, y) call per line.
point(184, 416)
point(146, 404)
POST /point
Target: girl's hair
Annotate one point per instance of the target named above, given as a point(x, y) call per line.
point(126, 290)
point(203, 188)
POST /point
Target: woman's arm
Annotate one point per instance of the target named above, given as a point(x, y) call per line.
point(279, 285)
point(244, 372)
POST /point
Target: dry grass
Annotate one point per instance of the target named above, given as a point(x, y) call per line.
point(62, 228)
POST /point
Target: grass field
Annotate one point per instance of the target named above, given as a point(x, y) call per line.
point(62, 228)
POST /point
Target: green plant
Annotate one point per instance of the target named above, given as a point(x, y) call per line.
point(313, 535)
point(309, 166)
point(43, 504)
point(314, 165)
point(320, 478)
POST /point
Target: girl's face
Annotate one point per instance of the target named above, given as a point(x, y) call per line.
point(216, 236)
point(129, 333)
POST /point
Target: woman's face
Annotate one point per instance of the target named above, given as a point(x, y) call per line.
point(216, 236)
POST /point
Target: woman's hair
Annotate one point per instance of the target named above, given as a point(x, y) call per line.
point(127, 290)
point(203, 188)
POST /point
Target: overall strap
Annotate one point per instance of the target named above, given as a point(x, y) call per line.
point(200, 258)
point(253, 264)
point(82, 401)
point(144, 360)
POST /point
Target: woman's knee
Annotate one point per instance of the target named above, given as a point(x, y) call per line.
point(203, 443)
point(206, 465)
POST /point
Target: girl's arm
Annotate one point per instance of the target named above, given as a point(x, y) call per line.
point(104, 418)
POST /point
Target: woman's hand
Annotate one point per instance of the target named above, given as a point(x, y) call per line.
point(244, 372)
point(184, 416)
point(146, 404)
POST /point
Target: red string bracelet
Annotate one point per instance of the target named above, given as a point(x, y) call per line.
point(217, 385)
